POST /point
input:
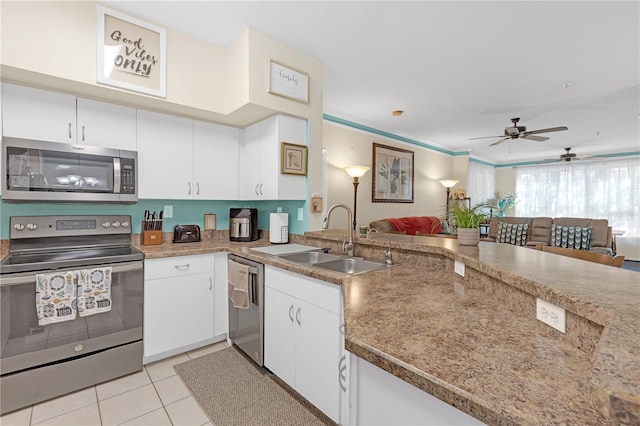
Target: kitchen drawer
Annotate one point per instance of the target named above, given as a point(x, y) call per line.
point(316, 292)
point(178, 266)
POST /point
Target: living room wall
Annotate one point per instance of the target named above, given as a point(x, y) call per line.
point(350, 146)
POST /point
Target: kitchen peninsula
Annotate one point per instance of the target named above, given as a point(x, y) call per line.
point(474, 341)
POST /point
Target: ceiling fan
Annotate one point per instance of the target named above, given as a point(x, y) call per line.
point(569, 156)
point(520, 132)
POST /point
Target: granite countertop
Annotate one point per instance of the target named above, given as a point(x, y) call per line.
point(474, 342)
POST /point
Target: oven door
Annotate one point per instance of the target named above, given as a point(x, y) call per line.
point(25, 344)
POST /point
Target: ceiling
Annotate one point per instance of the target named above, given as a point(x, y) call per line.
point(458, 69)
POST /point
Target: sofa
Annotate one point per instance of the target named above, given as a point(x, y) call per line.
point(539, 231)
point(410, 225)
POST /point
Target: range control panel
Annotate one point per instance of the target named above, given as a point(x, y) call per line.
point(61, 226)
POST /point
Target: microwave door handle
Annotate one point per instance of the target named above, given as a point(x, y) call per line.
point(117, 178)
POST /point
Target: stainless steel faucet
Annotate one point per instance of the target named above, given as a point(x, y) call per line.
point(388, 255)
point(346, 246)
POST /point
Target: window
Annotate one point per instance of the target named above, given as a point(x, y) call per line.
point(606, 189)
point(480, 182)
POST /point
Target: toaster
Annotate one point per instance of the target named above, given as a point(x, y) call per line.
point(186, 234)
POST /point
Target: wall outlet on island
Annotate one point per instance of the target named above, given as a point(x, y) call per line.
point(458, 267)
point(551, 314)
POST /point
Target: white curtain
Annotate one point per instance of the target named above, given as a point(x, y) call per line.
point(605, 189)
point(480, 182)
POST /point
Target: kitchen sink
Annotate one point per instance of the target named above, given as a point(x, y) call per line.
point(333, 262)
point(350, 265)
point(310, 257)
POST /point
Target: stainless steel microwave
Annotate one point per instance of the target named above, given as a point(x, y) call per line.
point(38, 171)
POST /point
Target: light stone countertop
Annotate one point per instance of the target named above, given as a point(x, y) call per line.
point(474, 342)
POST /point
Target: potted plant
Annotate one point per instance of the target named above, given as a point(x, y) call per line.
point(468, 220)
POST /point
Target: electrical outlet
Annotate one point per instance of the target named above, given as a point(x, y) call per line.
point(167, 212)
point(551, 314)
point(458, 267)
point(300, 213)
point(279, 209)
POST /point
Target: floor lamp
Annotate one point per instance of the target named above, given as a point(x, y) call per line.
point(448, 184)
point(355, 172)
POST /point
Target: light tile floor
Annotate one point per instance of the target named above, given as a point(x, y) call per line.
point(153, 396)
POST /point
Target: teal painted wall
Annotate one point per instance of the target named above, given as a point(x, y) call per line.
point(184, 212)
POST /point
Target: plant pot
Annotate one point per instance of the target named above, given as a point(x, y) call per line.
point(468, 236)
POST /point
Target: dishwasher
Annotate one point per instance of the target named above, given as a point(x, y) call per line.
point(246, 326)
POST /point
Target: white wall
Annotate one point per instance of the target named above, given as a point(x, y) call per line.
point(347, 146)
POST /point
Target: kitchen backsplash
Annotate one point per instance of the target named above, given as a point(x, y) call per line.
point(184, 212)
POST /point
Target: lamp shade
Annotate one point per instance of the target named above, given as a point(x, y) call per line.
point(448, 183)
point(356, 171)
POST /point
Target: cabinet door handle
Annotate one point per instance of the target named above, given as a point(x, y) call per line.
point(298, 316)
point(83, 133)
point(256, 189)
point(69, 130)
point(291, 313)
point(197, 188)
point(182, 267)
point(189, 191)
point(210, 283)
point(342, 376)
point(260, 189)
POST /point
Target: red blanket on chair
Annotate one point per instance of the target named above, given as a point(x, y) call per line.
point(413, 224)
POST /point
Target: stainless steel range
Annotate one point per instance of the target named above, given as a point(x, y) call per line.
point(71, 304)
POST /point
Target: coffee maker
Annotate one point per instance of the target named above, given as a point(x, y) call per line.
point(243, 225)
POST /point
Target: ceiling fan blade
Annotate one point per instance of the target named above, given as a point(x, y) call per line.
point(500, 141)
point(535, 138)
point(487, 137)
point(550, 129)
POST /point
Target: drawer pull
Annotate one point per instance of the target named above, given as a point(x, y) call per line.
point(182, 267)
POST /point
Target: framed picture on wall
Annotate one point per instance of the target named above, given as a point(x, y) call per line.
point(131, 54)
point(288, 82)
point(393, 175)
point(293, 159)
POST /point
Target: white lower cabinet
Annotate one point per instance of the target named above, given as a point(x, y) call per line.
point(178, 305)
point(302, 340)
point(380, 398)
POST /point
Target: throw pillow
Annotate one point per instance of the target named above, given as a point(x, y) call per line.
point(512, 233)
point(574, 237)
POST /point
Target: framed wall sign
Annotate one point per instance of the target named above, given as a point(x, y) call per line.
point(287, 82)
point(393, 175)
point(131, 54)
point(293, 159)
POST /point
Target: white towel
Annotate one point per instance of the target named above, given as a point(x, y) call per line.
point(94, 291)
point(238, 285)
point(55, 297)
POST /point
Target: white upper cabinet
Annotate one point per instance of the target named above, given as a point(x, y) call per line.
point(106, 125)
point(260, 177)
point(215, 161)
point(183, 159)
point(57, 117)
point(38, 114)
point(165, 156)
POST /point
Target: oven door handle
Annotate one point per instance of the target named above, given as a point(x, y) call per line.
point(30, 277)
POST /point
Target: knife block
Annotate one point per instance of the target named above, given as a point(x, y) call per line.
point(150, 238)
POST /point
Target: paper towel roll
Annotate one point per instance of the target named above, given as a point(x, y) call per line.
point(279, 228)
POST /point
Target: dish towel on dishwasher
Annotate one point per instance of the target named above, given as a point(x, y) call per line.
point(239, 280)
point(55, 297)
point(94, 291)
